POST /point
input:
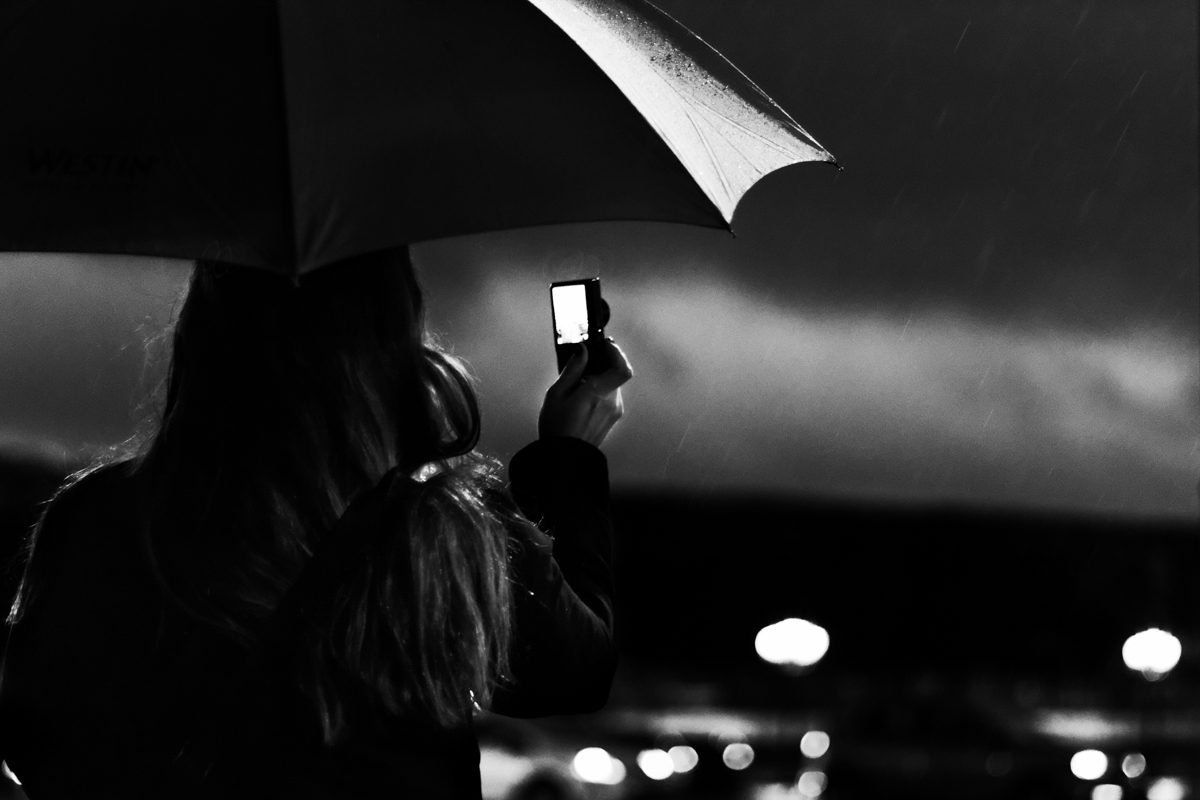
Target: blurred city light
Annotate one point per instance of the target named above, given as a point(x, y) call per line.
point(656, 764)
point(793, 641)
point(812, 783)
point(1167, 789)
point(1106, 791)
point(1153, 653)
point(814, 744)
point(775, 791)
point(1089, 764)
point(595, 765)
point(1133, 765)
point(1081, 727)
point(716, 725)
point(683, 758)
point(738, 756)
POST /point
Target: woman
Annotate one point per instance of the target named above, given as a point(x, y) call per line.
point(304, 581)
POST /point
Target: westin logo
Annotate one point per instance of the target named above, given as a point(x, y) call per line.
point(66, 164)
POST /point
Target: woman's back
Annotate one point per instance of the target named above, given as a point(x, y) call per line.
point(263, 597)
point(100, 668)
point(109, 690)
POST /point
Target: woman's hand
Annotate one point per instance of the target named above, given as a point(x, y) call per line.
point(585, 408)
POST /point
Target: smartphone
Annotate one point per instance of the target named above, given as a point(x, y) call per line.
point(579, 314)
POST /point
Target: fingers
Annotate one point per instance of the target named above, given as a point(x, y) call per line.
point(619, 362)
point(616, 375)
point(572, 373)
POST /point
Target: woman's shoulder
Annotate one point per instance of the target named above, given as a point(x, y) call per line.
point(84, 530)
point(96, 494)
point(105, 484)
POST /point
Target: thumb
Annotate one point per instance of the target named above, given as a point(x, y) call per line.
point(572, 373)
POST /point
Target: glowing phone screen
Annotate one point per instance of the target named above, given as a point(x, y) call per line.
point(570, 313)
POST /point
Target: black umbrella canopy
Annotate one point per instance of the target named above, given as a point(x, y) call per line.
point(287, 136)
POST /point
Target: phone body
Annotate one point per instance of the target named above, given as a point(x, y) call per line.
point(578, 314)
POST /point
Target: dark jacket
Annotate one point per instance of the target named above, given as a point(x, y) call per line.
point(107, 691)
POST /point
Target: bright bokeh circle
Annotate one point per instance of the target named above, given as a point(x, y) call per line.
point(1133, 765)
point(795, 642)
point(814, 744)
point(1088, 765)
point(811, 783)
point(656, 764)
point(738, 756)
point(684, 758)
point(595, 765)
point(1152, 652)
point(1167, 789)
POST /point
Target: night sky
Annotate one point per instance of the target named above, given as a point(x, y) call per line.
point(996, 301)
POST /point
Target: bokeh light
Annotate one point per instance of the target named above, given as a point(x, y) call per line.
point(774, 791)
point(683, 758)
point(595, 765)
point(656, 764)
point(1106, 791)
point(1089, 765)
point(793, 641)
point(812, 783)
point(738, 756)
point(814, 744)
point(1133, 765)
point(1153, 653)
point(1167, 789)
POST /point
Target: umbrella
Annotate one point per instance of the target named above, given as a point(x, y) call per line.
point(289, 135)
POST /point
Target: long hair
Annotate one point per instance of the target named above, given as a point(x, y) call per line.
point(284, 403)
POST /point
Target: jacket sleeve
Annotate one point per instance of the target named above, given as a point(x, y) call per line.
point(564, 656)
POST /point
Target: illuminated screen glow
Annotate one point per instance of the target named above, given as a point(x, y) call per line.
point(570, 313)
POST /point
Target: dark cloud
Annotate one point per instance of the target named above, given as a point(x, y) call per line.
point(736, 391)
point(990, 149)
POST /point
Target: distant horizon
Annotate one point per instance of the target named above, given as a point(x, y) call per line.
point(31, 451)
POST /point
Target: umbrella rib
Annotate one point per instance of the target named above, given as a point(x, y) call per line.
point(713, 158)
point(688, 100)
point(289, 179)
point(732, 145)
point(687, 103)
point(758, 136)
point(749, 82)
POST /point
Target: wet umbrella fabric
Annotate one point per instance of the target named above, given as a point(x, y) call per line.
point(290, 135)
